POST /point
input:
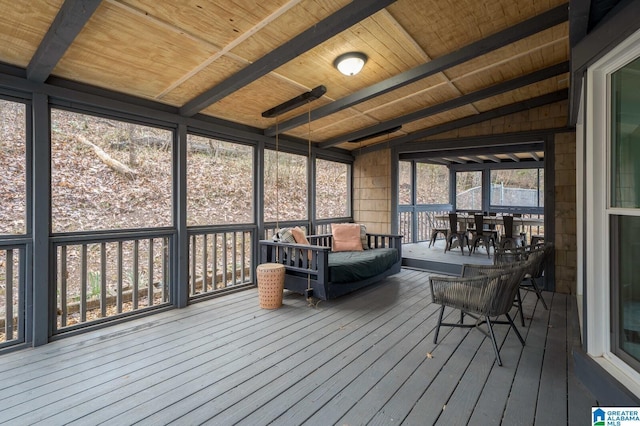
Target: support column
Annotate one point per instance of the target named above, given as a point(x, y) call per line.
point(258, 199)
point(550, 211)
point(42, 302)
point(180, 290)
point(395, 185)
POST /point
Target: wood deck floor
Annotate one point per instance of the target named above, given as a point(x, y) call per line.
point(421, 256)
point(366, 358)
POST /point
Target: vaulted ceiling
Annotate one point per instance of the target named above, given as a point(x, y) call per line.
point(431, 63)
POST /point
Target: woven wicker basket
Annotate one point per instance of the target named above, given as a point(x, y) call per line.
point(270, 284)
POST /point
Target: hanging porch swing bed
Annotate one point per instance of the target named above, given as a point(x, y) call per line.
point(325, 267)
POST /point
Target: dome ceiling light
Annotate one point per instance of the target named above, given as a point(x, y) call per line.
point(350, 63)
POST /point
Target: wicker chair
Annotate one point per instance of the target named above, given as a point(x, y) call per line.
point(473, 270)
point(537, 239)
point(514, 255)
point(482, 297)
point(537, 255)
point(511, 254)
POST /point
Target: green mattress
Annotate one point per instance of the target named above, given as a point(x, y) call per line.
point(350, 266)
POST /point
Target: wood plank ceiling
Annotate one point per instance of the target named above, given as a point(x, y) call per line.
point(430, 62)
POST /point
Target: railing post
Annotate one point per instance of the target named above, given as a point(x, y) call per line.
point(9, 274)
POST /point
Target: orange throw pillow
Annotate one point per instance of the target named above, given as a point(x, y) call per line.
point(346, 237)
point(300, 238)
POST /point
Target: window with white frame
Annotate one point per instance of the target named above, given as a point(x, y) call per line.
point(612, 206)
point(624, 179)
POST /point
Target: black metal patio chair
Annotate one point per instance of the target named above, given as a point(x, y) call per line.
point(508, 239)
point(481, 235)
point(455, 234)
point(439, 228)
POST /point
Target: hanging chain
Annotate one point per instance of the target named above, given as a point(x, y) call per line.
point(277, 179)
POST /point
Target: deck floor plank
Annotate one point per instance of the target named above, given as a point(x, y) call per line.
point(429, 406)
point(160, 327)
point(425, 367)
point(491, 402)
point(80, 363)
point(465, 397)
point(345, 367)
point(365, 358)
point(521, 405)
point(187, 354)
point(404, 359)
point(315, 352)
point(186, 380)
point(554, 372)
point(354, 383)
point(324, 366)
point(292, 341)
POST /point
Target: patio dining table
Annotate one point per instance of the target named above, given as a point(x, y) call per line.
point(518, 222)
point(495, 220)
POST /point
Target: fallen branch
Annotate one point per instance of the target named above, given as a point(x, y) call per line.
point(107, 159)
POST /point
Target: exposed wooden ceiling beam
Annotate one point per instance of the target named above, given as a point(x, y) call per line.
point(344, 18)
point(513, 157)
point(474, 158)
point(467, 121)
point(473, 151)
point(454, 160)
point(439, 161)
point(504, 139)
point(524, 29)
point(534, 155)
point(579, 18)
point(67, 24)
point(494, 90)
point(451, 82)
point(619, 24)
point(493, 158)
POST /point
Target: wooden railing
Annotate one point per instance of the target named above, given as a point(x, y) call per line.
point(220, 259)
point(12, 293)
point(415, 223)
point(105, 276)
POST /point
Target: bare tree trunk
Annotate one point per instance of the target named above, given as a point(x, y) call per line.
point(133, 155)
point(107, 159)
